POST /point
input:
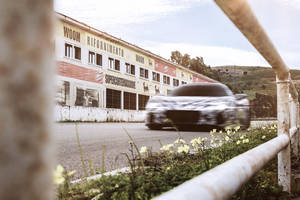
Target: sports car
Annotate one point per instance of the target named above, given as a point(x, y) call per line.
point(198, 104)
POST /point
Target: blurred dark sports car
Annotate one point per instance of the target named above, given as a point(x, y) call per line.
point(198, 104)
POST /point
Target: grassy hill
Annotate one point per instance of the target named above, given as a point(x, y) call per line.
point(252, 80)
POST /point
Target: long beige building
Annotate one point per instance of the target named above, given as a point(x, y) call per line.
point(103, 78)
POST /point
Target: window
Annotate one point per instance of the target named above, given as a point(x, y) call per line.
point(113, 98)
point(91, 57)
point(130, 69)
point(77, 53)
point(183, 82)
point(110, 63)
point(68, 50)
point(144, 73)
point(117, 65)
point(114, 64)
point(98, 59)
point(166, 80)
point(72, 51)
point(143, 99)
point(175, 82)
point(129, 101)
point(155, 76)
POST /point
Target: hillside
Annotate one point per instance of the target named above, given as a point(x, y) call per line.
point(252, 80)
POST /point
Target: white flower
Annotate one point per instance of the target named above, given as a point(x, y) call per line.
point(58, 175)
point(183, 149)
point(263, 127)
point(143, 149)
point(242, 137)
point(263, 137)
point(238, 142)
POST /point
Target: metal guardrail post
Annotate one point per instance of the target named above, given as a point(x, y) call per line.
point(283, 117)
point(26, 67)
point(293, 116)
point(298, 125)
point(240, 13)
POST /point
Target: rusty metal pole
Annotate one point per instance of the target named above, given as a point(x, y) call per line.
point(283, 117)
point(25, 99)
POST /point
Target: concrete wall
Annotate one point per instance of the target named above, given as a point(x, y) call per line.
point(90, 114)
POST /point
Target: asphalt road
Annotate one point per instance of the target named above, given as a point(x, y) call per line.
point(111, 137)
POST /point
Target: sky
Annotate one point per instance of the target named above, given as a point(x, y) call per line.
point(195, 27)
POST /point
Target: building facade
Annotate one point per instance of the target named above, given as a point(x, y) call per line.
point(103, 78)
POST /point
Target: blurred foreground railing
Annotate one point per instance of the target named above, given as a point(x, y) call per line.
point(224, 180)
point(26, 46)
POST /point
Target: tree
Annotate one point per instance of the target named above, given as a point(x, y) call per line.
point(196, 64)
point(176, 57)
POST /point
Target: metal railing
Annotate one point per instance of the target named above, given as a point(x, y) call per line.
point(224, 180)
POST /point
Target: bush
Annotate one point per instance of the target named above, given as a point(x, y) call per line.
point(153, 173)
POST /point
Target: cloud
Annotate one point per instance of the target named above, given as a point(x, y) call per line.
point(116, 12)
point(213, 55)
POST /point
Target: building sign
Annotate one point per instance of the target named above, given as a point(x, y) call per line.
point(104, 46)
point(140, 59)
point(119, 81)
point(71, 34)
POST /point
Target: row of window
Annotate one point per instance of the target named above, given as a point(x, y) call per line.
point(113, 100)
point(95, 58)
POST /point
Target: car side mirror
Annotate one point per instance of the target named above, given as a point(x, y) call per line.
point(240, 96)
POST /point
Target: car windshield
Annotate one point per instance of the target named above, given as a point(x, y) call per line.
point(208, 90)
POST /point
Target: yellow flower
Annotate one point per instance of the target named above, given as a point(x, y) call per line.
point(227, 138)
point(58, 175)
point(245, 140)
point(143, 149)
point(213, 131)
point(71, 173)
point(183, 149)
point(228, 132)
point(238, 142)
point(166, 147)
point(263, 137)
point(242, 137)
point(237, 128)
point(179, 140)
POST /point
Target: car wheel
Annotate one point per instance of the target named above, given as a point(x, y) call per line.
point(154, 126)
point(246, 120)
